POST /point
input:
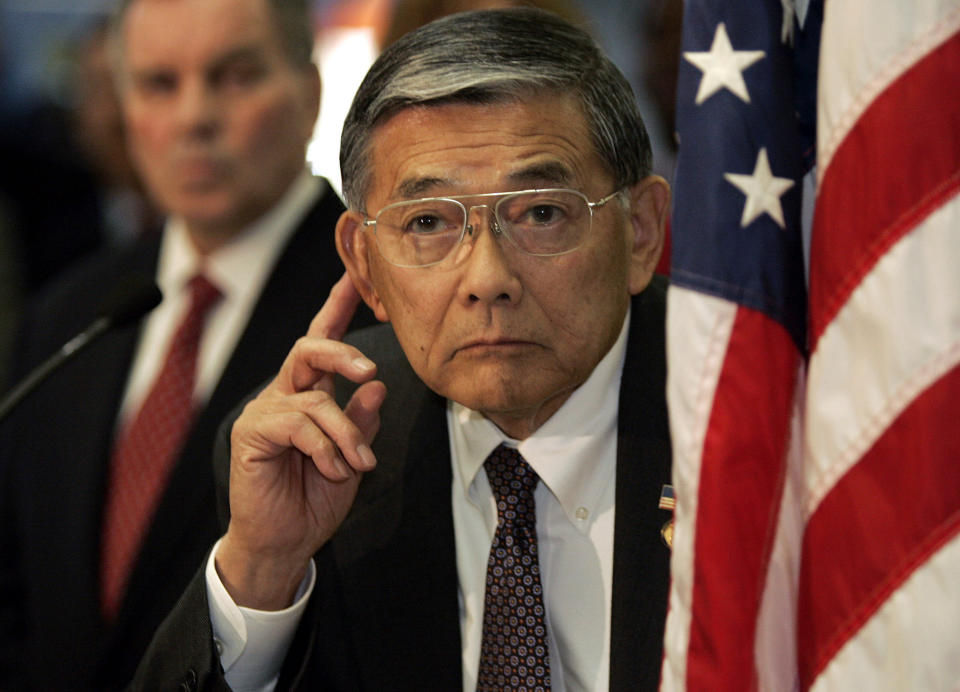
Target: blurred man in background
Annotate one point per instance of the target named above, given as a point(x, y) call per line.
point(106, 491)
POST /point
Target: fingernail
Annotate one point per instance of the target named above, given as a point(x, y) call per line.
point(341, 468)
point(363, 364)
point(366, 454)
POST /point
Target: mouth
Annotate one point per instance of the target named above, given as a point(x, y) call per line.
point(495, 347)
point(196, 171)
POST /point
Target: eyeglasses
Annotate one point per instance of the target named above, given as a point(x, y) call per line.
point(423, 232)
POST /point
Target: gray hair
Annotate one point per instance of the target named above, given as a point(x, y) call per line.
point(292, 19)
point(490, 56)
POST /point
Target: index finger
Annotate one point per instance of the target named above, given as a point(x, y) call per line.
point(335, 315)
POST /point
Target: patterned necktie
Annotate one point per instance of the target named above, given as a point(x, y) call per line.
point(146, 448)
point(514, 651)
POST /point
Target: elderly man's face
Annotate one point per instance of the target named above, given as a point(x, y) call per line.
point(502, 332)
point(218, 118)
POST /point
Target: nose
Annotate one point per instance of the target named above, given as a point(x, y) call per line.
point(489, 277)
point(196, 109)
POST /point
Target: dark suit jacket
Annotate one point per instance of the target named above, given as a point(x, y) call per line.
point(384, 614)
point(54, 460)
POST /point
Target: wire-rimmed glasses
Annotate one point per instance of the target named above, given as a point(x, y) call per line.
point(423, 232)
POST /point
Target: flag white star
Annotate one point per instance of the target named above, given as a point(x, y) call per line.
point(722, 67)
point(763, 191)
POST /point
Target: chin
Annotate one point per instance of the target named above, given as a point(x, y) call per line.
point(502, 401)
point(212, 213)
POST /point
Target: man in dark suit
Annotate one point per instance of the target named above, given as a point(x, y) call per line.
point(485, 514)
point(220, 99)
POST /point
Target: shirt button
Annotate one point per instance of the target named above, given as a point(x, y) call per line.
point(219, 646)
point(582, 513)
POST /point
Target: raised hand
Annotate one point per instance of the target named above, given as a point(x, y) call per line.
point(297, 459)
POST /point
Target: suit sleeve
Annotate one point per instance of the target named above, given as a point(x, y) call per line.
point(182, 655)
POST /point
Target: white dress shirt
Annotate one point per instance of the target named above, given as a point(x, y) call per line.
point(239, 269)
point(574, 453)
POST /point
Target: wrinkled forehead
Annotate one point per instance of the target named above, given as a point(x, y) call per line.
point(462, 147)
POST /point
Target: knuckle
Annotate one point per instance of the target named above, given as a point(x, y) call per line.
point(320, 401)
point(301, 346)
point(324, 447)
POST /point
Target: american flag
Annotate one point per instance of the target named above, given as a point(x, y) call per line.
point(816, 432)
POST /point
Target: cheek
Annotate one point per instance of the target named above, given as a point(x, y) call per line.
point(148, 131)
point(417, 308)
point(270, 126)
point(151, 147)
point(585, 309)
point(411, 311)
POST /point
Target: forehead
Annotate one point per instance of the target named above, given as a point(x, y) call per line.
point(460, 148)
point(173, 32)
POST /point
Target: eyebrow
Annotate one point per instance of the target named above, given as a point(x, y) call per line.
point(413, 188)
point(252, 52)
point(535, 175)
point(238, 54)
point(538, 174)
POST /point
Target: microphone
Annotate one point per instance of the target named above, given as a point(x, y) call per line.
point(132, 298)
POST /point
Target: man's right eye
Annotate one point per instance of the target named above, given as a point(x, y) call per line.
point(157, 84)
point(425, 223)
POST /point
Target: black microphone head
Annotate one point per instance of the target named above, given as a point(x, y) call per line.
point(132, 298)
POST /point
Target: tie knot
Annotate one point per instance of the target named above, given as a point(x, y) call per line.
point(513, 481)
point(203, 294)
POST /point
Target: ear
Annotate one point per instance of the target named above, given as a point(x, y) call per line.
point(354, 250)
point(649, 206)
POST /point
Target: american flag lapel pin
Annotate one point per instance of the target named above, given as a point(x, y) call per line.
point(667, 501)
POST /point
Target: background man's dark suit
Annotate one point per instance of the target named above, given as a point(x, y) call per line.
point(384, 612)
point(61, 441)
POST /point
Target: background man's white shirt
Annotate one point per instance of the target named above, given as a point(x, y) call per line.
point(239, 269)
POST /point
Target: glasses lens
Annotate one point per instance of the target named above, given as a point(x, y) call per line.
point(412, 234)
point(545, 222)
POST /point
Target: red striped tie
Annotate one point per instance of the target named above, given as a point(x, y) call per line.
point(145, 451)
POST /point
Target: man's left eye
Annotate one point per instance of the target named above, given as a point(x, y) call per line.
point(543, 214)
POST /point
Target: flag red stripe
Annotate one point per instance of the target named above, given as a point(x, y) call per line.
point(898, 505)
point(875, 188)
point(742, 473)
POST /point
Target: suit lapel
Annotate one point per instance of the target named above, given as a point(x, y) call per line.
point(641, 559)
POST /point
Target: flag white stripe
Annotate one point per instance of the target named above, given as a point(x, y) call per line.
point(898, 333)
point(690, 393)
point(865, 46)
point(775, 648)
point(911, 642)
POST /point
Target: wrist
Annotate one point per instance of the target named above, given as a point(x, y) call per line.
point(258, 581)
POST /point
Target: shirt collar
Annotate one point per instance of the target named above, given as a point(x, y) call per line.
point(567, 451)
point(234, 266)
